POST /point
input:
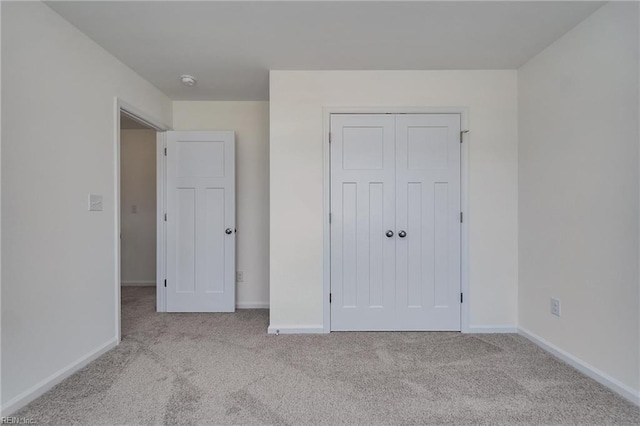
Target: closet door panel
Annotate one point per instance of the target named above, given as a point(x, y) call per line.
point(428, 221)
point(362, 211)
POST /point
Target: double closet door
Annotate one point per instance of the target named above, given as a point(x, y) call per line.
point(395, 222)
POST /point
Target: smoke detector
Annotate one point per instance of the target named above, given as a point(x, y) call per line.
point(188, 80)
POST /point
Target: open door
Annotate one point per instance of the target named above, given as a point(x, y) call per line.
point(200, 221)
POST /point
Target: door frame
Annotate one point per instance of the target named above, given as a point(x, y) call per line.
point(464, 199)
point(124, 107)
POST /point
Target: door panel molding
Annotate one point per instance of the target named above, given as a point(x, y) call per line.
point(463, 113)
point(364, 178)
point(428, 208)
point(200, 222)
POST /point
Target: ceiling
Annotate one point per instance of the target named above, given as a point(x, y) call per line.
point(230, 46)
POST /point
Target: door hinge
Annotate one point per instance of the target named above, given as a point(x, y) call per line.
point(329, 297)
point(461, 298)
point(329, 137)
point(462, 132)
point(461, 217)
point(165, 283)
point(329, 217)
point(165, 217)
point(165, 152)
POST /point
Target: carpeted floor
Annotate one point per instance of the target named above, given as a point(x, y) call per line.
point(224, 369)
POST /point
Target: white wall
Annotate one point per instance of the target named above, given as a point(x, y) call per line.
point(296, 158)
point(138, 225)
point(58, 279)
point(250, 121)
point(578, 205)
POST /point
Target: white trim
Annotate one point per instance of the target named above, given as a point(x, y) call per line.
point(252, 305)
point(285, 329)
point(491, 329)
point(138, 283)
point(139, 115)
point(587, 369)
point(121, 106)
point(464, 200)
point(465, 309)
point(326, 227)
point(43, 386)
point(161, 225)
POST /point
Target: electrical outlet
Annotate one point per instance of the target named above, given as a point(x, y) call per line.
point(239, 276)
point(555, 307)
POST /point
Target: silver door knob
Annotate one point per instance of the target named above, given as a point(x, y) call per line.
point(228, 231)
point(389, 233)
point(402, 234)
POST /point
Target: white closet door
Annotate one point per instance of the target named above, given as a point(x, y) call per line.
point(428, 221)
point(363, 210)
point(200, 221)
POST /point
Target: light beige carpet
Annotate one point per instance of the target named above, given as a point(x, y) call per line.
point(224, 369)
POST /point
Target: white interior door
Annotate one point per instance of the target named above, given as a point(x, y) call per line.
point(395, 227)
point(200, 221)
point(428, 221)
point(362, 211)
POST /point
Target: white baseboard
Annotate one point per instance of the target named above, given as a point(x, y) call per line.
point(497, 329)
point(137, 283)
point(283, 329)
point(40, 388)
point(252, 305)
point(599, 376)
point(319, 329)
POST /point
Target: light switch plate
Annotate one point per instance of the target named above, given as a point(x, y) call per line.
point(95, 202)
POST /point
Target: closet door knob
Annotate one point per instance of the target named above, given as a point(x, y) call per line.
point(228, 231)
point(402, 234)
point(389, 233)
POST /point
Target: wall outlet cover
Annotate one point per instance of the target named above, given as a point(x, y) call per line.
point(555, 306)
